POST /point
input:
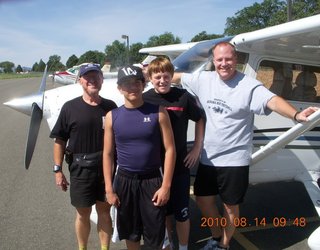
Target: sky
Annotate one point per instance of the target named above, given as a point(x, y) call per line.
point(31, 30)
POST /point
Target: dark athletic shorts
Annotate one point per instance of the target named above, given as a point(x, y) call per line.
point(179, 197)
point(136, 214)
point(86, 185)
point(231, 183)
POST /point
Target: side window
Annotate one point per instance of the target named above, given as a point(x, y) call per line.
point(291, 81)
point(242, 59)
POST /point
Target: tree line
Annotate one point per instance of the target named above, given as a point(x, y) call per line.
point(257, 16)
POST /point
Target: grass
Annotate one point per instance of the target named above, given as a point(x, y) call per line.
point(15, 75)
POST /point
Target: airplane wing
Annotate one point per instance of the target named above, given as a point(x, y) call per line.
point(171, 51)
point(297, 39)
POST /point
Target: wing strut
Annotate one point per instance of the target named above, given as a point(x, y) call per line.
point(287, 137)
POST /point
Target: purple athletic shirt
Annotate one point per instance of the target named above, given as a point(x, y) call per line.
point(137, 138)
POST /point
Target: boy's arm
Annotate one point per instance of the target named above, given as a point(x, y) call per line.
point(162, 195)
point(108, 161)
point(194, 154)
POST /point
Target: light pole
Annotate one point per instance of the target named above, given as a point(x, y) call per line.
point(289, 10)
point(127, 38)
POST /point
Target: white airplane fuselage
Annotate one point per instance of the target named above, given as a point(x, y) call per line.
point(289, 163)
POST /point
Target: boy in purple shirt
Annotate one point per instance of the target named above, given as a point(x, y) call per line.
point(135, 130)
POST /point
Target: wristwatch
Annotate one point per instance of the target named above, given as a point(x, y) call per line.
point(57, 168)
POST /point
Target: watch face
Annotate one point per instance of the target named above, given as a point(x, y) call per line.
point(56, 168)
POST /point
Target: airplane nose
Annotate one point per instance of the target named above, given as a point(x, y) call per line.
point(24, 104)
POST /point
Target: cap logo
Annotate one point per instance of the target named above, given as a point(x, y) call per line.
point(84, 68)
point(91, 65)
point(129, 71)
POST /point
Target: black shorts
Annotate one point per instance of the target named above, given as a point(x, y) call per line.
point(231, 183)
point(136, 214)
point(179, 197)
point(86, 185)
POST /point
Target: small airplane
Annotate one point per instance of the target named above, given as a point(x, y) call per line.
point(284, 57)
point(66, 77)
point(70, 75)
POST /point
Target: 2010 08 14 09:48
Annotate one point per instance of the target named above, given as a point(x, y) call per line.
point(256, 222)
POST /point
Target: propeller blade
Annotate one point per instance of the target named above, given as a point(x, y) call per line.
point(36, 117)
point(35, 122)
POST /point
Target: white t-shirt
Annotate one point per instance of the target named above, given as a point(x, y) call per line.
point(230, 107)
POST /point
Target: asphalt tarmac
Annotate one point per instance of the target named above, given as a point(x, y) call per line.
point(34, 214)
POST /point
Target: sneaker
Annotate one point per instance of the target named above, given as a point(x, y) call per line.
point(211, 245)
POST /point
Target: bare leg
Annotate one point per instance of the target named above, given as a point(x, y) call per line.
point(209, 209)
point(82, 225)
point(104, 226)
point(230, 213)
point(183, 229)
point(169, 230)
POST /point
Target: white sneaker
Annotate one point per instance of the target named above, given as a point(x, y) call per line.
point(211, 245)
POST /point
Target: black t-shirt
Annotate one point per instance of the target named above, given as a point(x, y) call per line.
point(82, 125)
point(182, 107)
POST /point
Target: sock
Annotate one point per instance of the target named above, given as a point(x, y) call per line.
point(82, 248)
point(104, 247)
point(185, 247)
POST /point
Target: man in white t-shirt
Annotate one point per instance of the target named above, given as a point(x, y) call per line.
point(230, 99)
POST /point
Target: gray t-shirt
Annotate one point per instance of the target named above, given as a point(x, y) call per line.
point(229, 107)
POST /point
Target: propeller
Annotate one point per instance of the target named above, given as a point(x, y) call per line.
point(31, 105)
point(35, 122)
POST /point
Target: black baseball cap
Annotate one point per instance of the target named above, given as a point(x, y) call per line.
point(130, 71)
